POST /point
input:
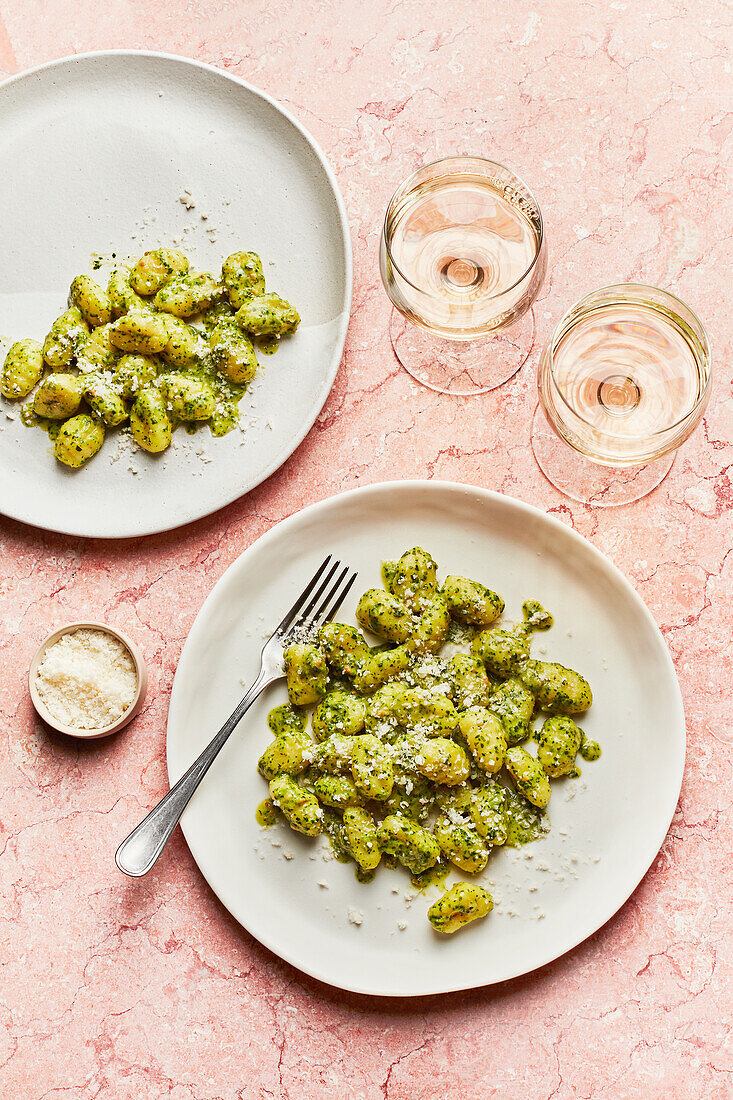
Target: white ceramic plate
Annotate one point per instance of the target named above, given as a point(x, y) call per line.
point(96, 152)
point(607, 827)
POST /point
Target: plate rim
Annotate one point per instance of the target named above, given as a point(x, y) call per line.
point(652, 849)
point(329, 376)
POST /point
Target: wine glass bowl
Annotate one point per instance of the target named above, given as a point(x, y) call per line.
point(623, 381)
point(462, 259)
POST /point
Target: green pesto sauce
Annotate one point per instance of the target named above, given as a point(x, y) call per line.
point(434, 876)
point(268, 345)
point(524, 822)
point(589, 750)
point(460, 633)
point(227, 394)
point(362, 875)
point(334, 830)
point(266, 813)
point(535, 618)
point(30, 419)
point(97, 261)
point(388, 572)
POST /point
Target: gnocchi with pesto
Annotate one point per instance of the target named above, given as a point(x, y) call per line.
point(156, 347)
point(420, 753)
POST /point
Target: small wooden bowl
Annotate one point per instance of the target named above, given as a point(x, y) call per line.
point(127, 716)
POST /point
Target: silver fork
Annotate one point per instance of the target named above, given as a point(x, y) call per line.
point(316, 605)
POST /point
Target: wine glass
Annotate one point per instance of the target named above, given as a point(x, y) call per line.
point(462, 259)
point(623, 381)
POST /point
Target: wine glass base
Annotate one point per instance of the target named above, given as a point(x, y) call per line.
point(578, 478)
point(462, 368)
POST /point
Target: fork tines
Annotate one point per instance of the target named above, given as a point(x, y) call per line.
point(318, 603)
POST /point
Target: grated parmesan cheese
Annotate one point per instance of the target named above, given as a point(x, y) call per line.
point(87, 679)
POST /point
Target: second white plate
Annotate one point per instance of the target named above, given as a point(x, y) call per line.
point(97, 152)
point(607, 826)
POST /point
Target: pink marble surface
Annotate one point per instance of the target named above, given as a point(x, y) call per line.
point(619, 116)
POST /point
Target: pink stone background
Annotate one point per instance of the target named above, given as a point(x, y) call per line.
point(619, 116)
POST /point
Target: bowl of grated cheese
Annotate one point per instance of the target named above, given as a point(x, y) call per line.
point(87, 680)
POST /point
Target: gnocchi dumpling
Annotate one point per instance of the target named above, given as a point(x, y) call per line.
point(96, 351)
point(188, 398)
point(92, 302)
point(149, 421)
point(185, 346)
point(502, 651)
point(414, 847)
point(58, 396)
point(243, 278)
point(286, 755)
point(362, 839)
point(187, 295)
point(384, 615)
point(340, 713)
point(513, 703)
point(143, 333)
point(306, 672)
point(133, 373)
point(484, 734)
point(268, 315)
point(469, 684)
point(60, 345)
point(471, 602)
point(558, 744)
point(528, 775)
point(299, 806)
point(101, 396)
point(442, 761)
point(233, 353)
point(153, 270)
point(557, 689)
point(122, 298)
point(22, 368)
point(463, 903)
point(78, 440)
point(461, 844)
point(412, 579)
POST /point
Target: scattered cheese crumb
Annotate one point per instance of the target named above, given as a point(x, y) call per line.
point(355, 915)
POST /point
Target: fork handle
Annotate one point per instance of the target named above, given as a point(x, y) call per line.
point(140, 850)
